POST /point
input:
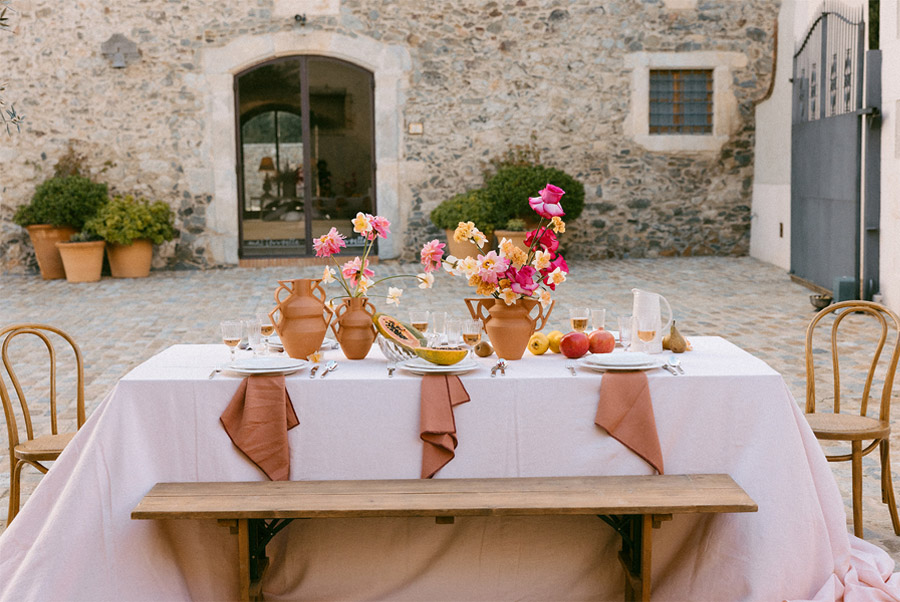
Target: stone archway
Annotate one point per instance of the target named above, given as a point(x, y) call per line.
point(390, 66)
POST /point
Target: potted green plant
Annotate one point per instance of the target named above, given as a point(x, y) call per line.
point(82, 256)
point(131, 226)
point(514, 230)
point(509, 188)
point(464, 207)
point(59, 208)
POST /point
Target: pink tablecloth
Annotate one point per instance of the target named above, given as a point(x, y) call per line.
point(74, 539)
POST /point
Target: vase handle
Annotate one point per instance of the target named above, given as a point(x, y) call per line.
point(337, 313)
point(274, 322)
point(282, 287)
point(542, 316)
point(475, 309)
point(318, 287)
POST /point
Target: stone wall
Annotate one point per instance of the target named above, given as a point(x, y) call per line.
point(483, 77)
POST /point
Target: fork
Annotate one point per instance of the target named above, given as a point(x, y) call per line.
point(570, 365)
point(391, 367)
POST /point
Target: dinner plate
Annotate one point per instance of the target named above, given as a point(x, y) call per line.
point(627, 359)
point(420, 366)
point(275, 343)
point(266, 365)
point(599, 368)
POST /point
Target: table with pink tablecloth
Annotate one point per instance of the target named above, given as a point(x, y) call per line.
point(731, 413)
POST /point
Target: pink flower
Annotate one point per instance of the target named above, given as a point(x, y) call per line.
point(492, 266)
point(381, 225)
point(560, 263)
point(522, 280)
point(548, 241)
point(354, 268)
point(329, 244)
point(432, 255)
point(547, 204)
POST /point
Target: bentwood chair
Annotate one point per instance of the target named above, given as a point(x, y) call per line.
point(35, 448)
point(858, 428)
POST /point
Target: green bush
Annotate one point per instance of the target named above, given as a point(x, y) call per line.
point(509, 189)
point(126, 219)
point(471, 206)
point(63, 201)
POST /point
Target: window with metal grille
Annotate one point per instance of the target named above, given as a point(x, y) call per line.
point(681, 101)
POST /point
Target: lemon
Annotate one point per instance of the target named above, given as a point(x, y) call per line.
point(538, 343)
point(553, 338)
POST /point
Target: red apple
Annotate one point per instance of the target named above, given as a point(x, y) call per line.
point(574, 344)
point(602, 341)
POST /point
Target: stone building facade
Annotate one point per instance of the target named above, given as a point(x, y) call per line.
point(455, 83)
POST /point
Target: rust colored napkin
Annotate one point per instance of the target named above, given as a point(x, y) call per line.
point(440, 392)
point(626, 412)
point(258, 418)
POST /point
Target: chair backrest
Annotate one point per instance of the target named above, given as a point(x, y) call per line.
point(45, 334)
point(888, 342)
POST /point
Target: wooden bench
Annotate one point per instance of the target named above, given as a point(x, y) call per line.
point(630, 504)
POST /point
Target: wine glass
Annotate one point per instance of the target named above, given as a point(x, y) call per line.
point(254, 335)
point(579, 317)
point(438, 327)
point(471, 333)
point(418, 319)
point(625, 325)
point(231, 335)
point(266, 328)
point(453, 327)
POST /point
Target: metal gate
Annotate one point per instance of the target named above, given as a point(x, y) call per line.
point(828, 118)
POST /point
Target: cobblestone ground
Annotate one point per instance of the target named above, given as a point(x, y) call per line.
point(120, 323)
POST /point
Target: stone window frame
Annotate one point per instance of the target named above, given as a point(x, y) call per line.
point(726, 118)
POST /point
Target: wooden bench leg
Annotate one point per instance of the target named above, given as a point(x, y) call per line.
point(636, 554)
point(253, 536)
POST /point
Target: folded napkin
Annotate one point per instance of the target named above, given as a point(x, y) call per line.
point(440, 392)
point(258, 418)
point(626, 412)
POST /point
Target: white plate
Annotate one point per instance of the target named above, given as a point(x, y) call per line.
point(420, 366)
point(608, 368)
point(275, 343)
point(621, 360)
point(266, 365)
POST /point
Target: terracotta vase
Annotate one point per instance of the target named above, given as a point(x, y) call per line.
point(83, 261)
point(302, 316)
point(353, 327)
point(509, 326)
point(44, 239)
point(130, 261)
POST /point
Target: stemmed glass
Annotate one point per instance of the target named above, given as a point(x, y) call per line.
point(231, 335)
point(579, 317)
point(267, 329)
point(254, 335)
point(598, 319)
point(471, 333)
point(418, 319)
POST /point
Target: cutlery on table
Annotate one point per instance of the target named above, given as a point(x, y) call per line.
point(391, 367)
point(502, 364)
point(675, 363)
point(313, 370)
point(571, 367)
point(669, 369)
point(214, 372)
point(494, 369)
point(329, 367)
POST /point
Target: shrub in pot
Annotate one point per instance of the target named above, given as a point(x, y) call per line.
point(514, 230)
point(470, 206)
point(82, 257)
point(508, 191)
point(131, 226)
point(59, 208)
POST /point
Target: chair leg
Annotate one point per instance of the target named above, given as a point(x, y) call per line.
point(887, 486)
point(15, 485)
point(856, 463)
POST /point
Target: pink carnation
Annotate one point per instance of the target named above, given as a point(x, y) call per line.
point(329, 244)
point(432, 255)
point(547, 204)
point(353, 268)
point(548, 241)
point(380, 225)
point(521, 281)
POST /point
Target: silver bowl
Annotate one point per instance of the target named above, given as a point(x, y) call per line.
point(820, 302)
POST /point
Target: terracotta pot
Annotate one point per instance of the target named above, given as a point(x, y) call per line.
point(509, 326)
point(517, 237)
point(303, 316)
point(464, 249)
point(83, 261)
point(130, 261)
point(353, 327)
point(44, 239)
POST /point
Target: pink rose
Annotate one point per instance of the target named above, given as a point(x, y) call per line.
point(521, 281)
point(547, 204)
point(548, 241)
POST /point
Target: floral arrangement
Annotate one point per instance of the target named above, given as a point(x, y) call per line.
point(355, 276)
point(512, 273)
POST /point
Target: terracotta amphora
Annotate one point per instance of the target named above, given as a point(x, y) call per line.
point(353, 327)
point(509, 326)
point(303, 316)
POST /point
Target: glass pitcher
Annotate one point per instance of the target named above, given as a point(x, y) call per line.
point(647, 327)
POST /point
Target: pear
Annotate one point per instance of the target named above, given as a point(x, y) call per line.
point(677, 343)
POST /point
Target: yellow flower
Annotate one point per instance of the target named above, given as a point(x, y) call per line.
point(328, 275)
point(481, 287)
point(315, 357)
point(361, 224)
point(426, 280)
point(393, 295)
point(479, 238)
point(557, 276)
point(364, 283)
point(517, 257)
point(541, 260)
point(545, 298)
point(509, 297)
point(558, 225)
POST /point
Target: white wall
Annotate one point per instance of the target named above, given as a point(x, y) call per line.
point(890, 154)
point(770, 230)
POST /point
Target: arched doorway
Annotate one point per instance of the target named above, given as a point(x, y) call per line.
point(305, 153)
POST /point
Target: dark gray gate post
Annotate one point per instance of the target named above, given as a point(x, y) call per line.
point(872, 201)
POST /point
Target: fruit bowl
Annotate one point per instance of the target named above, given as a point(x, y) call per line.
point(393, 351)
point(820, 301)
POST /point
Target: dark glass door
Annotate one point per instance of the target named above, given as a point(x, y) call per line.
point(305, 152)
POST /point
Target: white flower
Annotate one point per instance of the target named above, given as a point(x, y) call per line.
point(479, 238)
point(468, 266)
point(328, 275)
point(426, 280)
point(393, 295)
point(364, 283)
point(557, 276)
point(509, 297)
point(541, 260)
point(545, 298)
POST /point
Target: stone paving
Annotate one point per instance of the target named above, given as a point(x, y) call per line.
point(120, 323)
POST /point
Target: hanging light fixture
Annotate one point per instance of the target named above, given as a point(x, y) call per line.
point(267, 165)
